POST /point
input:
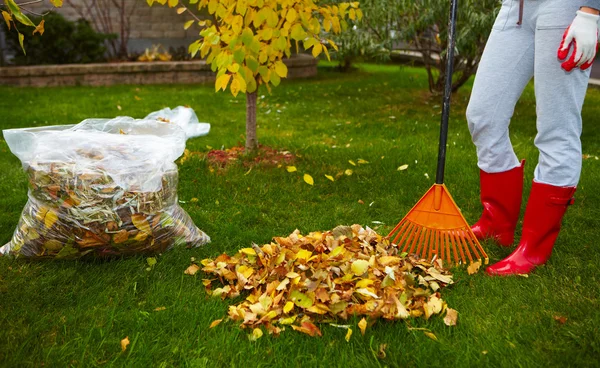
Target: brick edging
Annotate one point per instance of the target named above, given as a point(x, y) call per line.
point(106, 74)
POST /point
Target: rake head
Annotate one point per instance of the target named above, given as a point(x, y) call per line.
point(435, 227)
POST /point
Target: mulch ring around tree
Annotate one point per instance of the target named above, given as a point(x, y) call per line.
point(262, 156)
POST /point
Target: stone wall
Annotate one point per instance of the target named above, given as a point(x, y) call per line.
point(185, 72)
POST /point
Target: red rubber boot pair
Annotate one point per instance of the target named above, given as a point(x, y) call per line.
point(501, 195)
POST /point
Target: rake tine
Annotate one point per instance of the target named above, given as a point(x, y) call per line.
point(414, 239)
point(473, 247)
point(404, 224)
point(453, 242)
point(447, 239)
point(406, 231)
point(423, 251)
point(464, 245)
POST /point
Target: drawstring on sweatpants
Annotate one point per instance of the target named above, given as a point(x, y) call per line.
point(521, 4)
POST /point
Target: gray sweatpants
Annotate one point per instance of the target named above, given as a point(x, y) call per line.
point(513, 55)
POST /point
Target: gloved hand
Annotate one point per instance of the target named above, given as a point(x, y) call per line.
point(583, 35)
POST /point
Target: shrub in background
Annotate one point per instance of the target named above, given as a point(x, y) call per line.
point(63, 42)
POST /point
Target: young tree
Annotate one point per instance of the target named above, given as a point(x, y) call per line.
point(245, 41)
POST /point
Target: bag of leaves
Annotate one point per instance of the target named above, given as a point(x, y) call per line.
point(100, 189)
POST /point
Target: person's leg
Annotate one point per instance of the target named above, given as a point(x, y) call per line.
point(559, 99)
point(505, 69)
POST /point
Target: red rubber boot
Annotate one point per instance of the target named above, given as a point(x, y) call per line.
point(501, 195)
point(545, 209)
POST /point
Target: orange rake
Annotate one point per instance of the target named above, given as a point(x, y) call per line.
point(435, 227)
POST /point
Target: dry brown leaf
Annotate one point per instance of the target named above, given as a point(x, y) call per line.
point(560, 319)
point(451, 317)
point(192, 269)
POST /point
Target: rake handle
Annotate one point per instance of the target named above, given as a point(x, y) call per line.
point(441, 165)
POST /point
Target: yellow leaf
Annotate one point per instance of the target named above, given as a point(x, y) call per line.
point(222, 82)
point(256, 334)
point(308, 179)
point(159, 309)
point(303, 254)
point(124, 343)
point(192, 269)
point(248, 251)
point(352, 162)
point(21, 39)
point(181, 10)
point(349, 334)
point(173, 3)
point(474, 267)
point(39, 28)
point(235, 87)
point(291, 169)
point(403, 167)
point(348, 172)
point(359, 267)
point(317, 49)
point(7, 18)
point(361, 161)
point(363, 326)
point(291, 15)
point(329, 177)
point(288, 307)
point(140, 222)
point(50, 219)
point(188, 24)
point(281, 69)
point(215, 323)
point(57, 3)
point(431, 335)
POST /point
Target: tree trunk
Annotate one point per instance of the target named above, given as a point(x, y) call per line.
point(251, 140)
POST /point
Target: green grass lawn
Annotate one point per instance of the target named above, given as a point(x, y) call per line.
point(75, 313)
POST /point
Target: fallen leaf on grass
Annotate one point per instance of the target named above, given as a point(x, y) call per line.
point(255, 335)
point(192, 269)
point(348, 334)
point(402, 168)
point(308, 328)
point(291, 169)
point(215, 323)
point(352, 162)
point(473, 267)
point(348, 172)
point(431, 335)
point(560, 319)
point(360, 201)
point(124, 343)
point(160, 309)
point(363, 326)
point(361, 161)
point(308, 179)
point(451, 317)
point(381, 353)
point(329, 177)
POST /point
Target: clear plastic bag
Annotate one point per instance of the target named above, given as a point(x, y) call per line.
point(102, 188)
point(183, 116)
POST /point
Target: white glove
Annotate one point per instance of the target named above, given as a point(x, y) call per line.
point(582, 34)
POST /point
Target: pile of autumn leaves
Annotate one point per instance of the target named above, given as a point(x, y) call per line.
point(324, 277)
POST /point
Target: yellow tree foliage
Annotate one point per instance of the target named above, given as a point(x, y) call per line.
point(246, 40)
point(13, 16)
